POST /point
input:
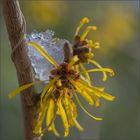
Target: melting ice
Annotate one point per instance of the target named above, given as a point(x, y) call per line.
point(53, 46)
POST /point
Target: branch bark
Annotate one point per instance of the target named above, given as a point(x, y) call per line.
point(15, 23)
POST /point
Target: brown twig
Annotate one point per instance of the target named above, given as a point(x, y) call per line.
point(15, 26)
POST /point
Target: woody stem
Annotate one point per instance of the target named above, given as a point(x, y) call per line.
point(15, 27)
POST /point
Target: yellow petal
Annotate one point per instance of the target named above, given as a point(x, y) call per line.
point(85, 79)
point(73, 60)
point(107, 96)
point(54, 130)
point(72, 108)
point(45, 54)
point(50, 114)
point(99, 66)
point(37, 129)
point(96, 45)
point(76, 67)
point(102, 70)
point(82, 87)
point(20, 89)
point(96, 99)
point(89, 55)
point(78, 101)
point(87, 87)
point(80, 128)
point(96, 91)
point(88, 29)
point(68, 111)
point(90, 43)
point(82, 22)
point(46, 88)
point(59, 83)
point(64, 118)
point(82, 92)
point(100, 93)
point(86, 73)
point(85, 95)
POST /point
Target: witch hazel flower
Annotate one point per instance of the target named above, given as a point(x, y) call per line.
point(59, 64)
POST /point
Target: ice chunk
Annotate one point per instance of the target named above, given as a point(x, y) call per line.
point(53, 46)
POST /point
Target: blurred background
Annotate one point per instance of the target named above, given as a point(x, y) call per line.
point(118, 34)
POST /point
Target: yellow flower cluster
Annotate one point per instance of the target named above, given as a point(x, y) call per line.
point(66, 82)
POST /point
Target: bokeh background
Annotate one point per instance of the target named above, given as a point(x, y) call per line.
point(118, 34)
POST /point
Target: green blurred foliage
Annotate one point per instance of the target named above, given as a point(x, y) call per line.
point(118, 34)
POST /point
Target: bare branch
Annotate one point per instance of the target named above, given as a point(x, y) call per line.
point(16, 28)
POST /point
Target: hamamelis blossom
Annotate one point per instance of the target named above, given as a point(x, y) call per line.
point(57, 96)
point(83, 48)
point(66, 82)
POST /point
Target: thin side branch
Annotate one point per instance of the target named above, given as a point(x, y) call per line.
point(15, 26)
